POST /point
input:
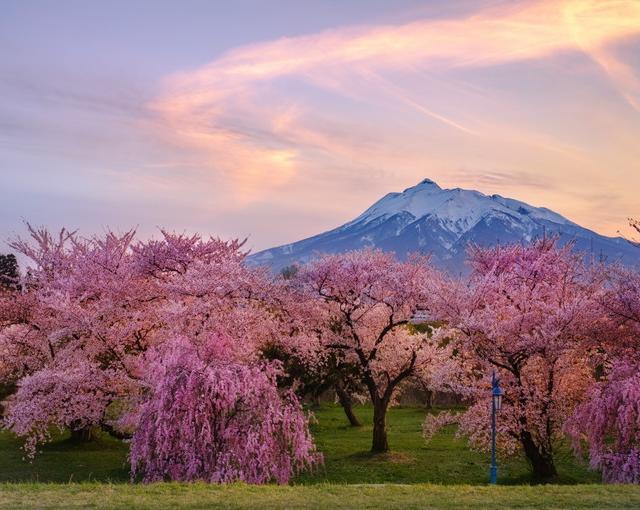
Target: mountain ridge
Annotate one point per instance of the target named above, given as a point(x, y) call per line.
point(443, 222)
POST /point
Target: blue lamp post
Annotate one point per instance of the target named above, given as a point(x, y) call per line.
point(496, 404)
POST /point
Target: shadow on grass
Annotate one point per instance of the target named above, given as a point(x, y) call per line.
point(390, 457)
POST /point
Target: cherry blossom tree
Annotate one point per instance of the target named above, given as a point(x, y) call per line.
point(526, 313)
point(170, 330)
point(606, 425)
point(365, 300)
point(92, 308)
point(307, 367)
point(211, 418)
point(13, 311)
point(81, 318)
point(74, 398)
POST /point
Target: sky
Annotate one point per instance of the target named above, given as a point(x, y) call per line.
point(279, 120)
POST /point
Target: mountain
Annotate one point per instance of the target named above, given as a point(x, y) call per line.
point(428, 219)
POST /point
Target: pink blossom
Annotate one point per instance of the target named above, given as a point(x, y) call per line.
point(527, 312)
point(211, 418)
point(96, 307)
point(358, 308)
point(609, 421)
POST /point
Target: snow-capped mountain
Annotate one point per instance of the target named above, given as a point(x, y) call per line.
point(428, 219)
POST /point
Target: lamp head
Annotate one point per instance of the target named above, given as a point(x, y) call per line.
point(496, 392)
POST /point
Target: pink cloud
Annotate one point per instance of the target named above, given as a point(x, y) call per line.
point(258, 115)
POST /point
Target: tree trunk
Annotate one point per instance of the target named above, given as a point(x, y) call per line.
point(380, 443)
point(541, 462)
point(429, 399)
point(345, 401)
point(82, 435)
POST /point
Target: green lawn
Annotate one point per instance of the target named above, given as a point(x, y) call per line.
point(443, 474)
point(445, 460)
point(202, 496)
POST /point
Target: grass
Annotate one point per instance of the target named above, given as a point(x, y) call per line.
point(319, 496)
point(445, 460)
point(443, 474)
point(64, 461)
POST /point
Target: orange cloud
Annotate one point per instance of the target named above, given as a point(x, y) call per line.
point(250, 128)
point(590, 22)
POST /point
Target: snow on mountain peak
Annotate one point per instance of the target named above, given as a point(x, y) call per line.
point(443, 222)
point(425, 184)
point(457, 210)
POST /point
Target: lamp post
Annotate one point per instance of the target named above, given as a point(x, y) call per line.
point(496, 404)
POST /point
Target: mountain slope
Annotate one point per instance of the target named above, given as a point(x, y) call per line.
point(428, 219)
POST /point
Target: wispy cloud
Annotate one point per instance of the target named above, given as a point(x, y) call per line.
point(499, 178)
point(286, 137)
point(273, 86)
point(590, 21)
